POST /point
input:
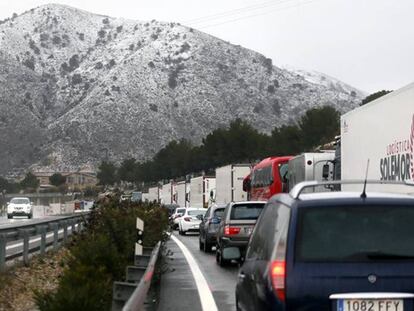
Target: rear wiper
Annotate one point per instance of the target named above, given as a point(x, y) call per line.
point(379, 255)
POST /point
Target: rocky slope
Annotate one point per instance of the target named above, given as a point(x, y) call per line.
point(76, 86)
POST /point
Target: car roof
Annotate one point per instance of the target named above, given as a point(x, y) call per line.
point(342, 197)
point(196, 209)
point(248, 202)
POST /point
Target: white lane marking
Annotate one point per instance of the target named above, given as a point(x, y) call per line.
point(35, 239)
point(206, 297)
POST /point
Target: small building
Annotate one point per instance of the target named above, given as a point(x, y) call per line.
point(74, 180)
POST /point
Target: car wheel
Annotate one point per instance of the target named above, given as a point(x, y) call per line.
point(30, 216)
point(237, 305)
point(222, 262)
point(207, 247)
point(200, 244)
point(9, 216)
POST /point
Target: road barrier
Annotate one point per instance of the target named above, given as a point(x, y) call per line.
point(24, 231)
point(131, 294)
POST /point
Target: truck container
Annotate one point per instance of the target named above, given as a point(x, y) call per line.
point(202, 191)
point(382, 132)
point(183, 192)
point(309, 166)
point(229, 183)
point(154, 194)
point(136, 196)
point(168, 193)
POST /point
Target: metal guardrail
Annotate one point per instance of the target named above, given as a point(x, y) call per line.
point(131, 295)
point(24, 231)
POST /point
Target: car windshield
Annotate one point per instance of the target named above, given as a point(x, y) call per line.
point(20, 201)
point(246, 211)
point(180, 211)
point(357, 233)
point(196, 212)
point(219, 212)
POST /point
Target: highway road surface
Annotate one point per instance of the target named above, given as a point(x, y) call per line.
point(193, 280)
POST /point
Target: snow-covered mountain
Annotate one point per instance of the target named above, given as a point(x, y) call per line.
point(76, 87)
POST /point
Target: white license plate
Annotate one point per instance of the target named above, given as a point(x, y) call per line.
point(370, 305)
point(248, 230)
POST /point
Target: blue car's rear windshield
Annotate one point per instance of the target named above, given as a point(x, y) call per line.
point(355, 234)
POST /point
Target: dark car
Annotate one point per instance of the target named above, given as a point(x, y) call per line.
point(209, 226)
point(336, 251)
point(235, 228)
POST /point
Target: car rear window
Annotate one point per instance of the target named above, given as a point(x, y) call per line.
point(246, 211)
point(180, 211)
point(219, 212)
point(355, 234)
point(196, 212)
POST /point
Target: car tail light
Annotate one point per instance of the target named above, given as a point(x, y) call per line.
point(229, 230)
point(277, 276)
point(187, 218)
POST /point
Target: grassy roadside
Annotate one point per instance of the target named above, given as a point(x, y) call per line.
point(99, 256)
point(18, 284)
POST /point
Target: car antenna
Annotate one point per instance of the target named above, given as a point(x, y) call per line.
point(364, 191)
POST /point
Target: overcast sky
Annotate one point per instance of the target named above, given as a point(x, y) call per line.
point(366, 43)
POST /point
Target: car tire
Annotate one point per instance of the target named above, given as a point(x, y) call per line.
point(219, 259)
point(237, 305)
point(9, 216)
point(200, 244)
point(207, 247)
point(30, 216)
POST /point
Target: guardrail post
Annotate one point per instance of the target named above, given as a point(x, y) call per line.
point(43, 230)
point(65, 231)
point(55, 229)
point(24, 233)
point(3, 243)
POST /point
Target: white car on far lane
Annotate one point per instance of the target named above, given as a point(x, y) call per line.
point(190, 221)
point(19, 207)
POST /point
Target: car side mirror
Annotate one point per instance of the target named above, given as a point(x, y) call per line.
point(325, 171)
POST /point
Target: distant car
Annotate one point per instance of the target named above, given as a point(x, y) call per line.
point(236, 226)
point(209, 227)
point(336, 251)
point(20, 206)
point(175, 217)
point(124, 198)
point(191, 219)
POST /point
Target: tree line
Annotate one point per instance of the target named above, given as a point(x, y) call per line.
point(239, 143)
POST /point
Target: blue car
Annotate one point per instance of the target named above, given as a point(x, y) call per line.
point(336, 251)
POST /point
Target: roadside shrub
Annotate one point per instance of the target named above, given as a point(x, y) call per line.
point(100, 255)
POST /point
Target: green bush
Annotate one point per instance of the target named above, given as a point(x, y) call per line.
point(100, 254)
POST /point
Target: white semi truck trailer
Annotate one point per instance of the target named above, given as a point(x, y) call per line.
point(154, 194)
point(309, 166)
point(168, 193)
point(183, 193)
point(202, 191)
point(229, 183)
point(382, 132)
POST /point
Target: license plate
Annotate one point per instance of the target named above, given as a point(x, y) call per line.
point(370, 305)
point(248, 230)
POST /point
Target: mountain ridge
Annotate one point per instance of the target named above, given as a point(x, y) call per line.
point(126, 88)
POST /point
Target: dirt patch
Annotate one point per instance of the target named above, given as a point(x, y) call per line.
point(18, 284)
